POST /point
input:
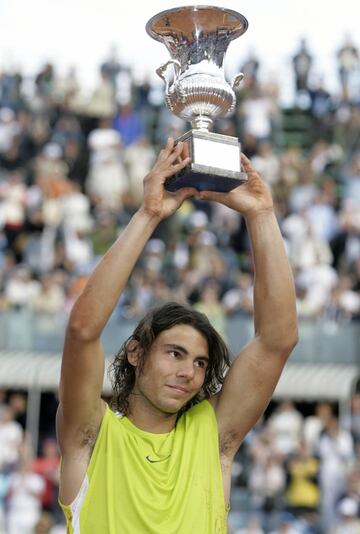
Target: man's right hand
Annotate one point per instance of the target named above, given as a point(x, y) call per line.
point(157, 201)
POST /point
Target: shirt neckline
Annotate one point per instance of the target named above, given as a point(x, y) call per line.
point(129, 425)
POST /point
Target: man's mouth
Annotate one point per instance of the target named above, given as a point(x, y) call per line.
point(179, 389)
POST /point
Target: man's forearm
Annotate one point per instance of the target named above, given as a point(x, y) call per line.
point(274, 293)
point(105, 285)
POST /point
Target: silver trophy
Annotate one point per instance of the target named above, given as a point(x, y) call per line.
point(197, 38)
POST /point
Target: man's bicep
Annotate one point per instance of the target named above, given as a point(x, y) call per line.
point(246, 392)
point(82, 374)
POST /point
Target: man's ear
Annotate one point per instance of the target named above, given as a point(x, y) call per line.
point(133, 353)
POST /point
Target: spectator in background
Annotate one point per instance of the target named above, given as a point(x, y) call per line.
point(10, 88)
point(306, 249)
point(268, 482)
point(51, 298)
point(68, 91)
point(267, 163)
point(250, 69)
point(102, 104)
point(11, 438)
point(315, 284)
point(336, 453)
point(303, 492)
point(303, 192)
point(21, 288)
point(76, 159)
point(12, 211)
point(209, 303)
point(324, 156)
point(286, 425)
point(348, 64)
point(322, 216)
point(292, 165)
point(320, 106)
point(34, 138)
point(45, 80)
point(315, 424)
point(48, 467)
point(139, 158)
point(345, 244)
point(239, 299)
point(104, 232)
point(256, 113)
point(3, 493)
point(9, 129)
point(107, 179)
point(76, 209)
point(112, 67)
point(287, 525)
point(18, 404)
point(24, 499)
point(266, 478)
point(253, 526)
point(302, 62)
point(352, 420)
point(345, 303)
point(128, 124)
point(50, 167)
point(351, 180)
point(348, 522)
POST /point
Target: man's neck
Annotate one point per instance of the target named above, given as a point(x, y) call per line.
point(147, 417)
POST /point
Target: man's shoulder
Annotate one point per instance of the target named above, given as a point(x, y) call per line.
point(200, 410)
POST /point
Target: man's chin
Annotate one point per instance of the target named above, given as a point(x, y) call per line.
point(173, 408)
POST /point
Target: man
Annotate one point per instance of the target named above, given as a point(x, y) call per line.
point(164, 466)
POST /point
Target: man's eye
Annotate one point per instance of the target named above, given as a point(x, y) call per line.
point(174, 353)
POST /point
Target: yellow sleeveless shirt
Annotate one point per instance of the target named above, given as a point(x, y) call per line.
point(143, 483)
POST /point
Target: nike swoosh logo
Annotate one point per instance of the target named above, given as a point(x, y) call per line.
point(157, 461)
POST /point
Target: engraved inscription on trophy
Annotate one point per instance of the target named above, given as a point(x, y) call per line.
point(197, 38)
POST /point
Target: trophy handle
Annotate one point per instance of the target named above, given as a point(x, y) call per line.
point(235, 82)
point(163, 68)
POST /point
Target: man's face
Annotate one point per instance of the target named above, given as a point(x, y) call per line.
point(174, 369)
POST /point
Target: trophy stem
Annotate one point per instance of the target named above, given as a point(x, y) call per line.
point(202, 122)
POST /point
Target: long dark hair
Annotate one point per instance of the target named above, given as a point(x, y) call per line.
point(122, 373)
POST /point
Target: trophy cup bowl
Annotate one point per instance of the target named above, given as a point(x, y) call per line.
point(197, 38)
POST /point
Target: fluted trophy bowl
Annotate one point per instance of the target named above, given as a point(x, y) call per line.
point(197, 38)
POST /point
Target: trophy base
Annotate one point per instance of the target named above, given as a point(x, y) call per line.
point(215, 163)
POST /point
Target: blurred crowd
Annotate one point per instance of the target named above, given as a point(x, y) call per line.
point(71, 171)
point(29, 482)
point(303, 473)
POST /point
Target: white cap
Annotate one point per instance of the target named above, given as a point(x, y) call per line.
point(7, 115)
point(348, 507)
point(155, 246)
point(52, 151)
point(198, 219)
point(102, 138)
point(206, 238)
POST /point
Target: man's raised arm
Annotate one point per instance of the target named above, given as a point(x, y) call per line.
point(81, 408)
point(253, 376)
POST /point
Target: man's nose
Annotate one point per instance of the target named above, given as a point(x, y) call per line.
point(186, 370)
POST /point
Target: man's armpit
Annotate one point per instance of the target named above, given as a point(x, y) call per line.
point(228, 442)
